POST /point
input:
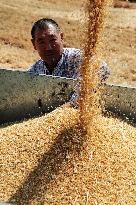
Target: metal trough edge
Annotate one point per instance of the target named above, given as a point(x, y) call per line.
point(23, 95)
point(120, 100)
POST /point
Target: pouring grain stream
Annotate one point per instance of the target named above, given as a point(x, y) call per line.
point(88, 102)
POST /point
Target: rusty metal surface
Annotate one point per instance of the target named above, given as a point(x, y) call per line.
point(23, 95)
point(120, 99)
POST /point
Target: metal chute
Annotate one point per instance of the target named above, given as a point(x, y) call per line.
point(23, 95)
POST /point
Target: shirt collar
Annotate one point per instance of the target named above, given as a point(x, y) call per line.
point(59, 64)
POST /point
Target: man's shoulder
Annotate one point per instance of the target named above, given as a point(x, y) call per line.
point(38, 62)
point(37, 67)
point(72, 51)
point(73, 55)
point(73, 60)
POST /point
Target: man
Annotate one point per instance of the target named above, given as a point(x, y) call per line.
point(56, 60)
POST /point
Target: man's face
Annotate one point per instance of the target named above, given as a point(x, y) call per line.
point(49, 44)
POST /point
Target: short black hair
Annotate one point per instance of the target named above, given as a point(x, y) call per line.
point(42, 24)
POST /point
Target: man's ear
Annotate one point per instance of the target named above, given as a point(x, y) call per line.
point(62, 36)
point(33, 42)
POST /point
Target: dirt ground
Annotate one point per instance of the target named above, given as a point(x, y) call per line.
point(119, 44)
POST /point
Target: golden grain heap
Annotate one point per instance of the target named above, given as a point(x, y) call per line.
point(49, 160)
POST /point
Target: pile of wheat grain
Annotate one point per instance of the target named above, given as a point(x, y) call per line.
point(47, 161)
point(24, 145)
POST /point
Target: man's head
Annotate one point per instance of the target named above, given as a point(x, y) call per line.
point(47, 39)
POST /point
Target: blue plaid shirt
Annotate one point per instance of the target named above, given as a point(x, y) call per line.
point(68, 66)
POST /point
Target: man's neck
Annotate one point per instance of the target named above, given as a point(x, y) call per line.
point(52, 65)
